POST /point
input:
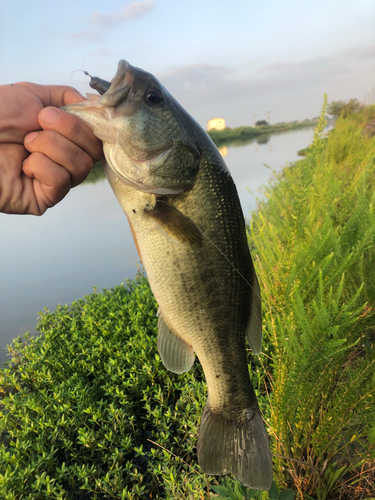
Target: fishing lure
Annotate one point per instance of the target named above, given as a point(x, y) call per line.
point(98, 84)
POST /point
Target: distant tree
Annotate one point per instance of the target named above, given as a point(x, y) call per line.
point(259, 123)
point(345, 108)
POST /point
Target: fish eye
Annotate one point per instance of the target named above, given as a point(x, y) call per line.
point(154, 95)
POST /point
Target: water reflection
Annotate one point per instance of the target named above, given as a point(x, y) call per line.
point(263, 139)
point(223, 150)
point(85, 241)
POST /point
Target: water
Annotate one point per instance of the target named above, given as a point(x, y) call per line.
point(85, 240)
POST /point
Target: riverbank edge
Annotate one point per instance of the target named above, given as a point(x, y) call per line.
point(242, 134)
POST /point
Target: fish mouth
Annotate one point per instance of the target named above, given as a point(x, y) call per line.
point(99, 107)
point(120, 86)
point(119, 90)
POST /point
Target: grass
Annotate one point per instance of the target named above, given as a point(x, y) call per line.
point(89, 411)
point(314, 240)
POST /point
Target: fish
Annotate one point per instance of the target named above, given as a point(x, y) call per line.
point(187, 223)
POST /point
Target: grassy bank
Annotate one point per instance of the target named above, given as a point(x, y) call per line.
point(243, 134)
point(89, 411)
point(314, 240)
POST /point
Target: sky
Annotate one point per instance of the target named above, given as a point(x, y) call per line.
point(242, 60)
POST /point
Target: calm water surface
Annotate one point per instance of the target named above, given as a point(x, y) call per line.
point(85, 240)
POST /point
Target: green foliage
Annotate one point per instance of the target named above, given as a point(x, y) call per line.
point(344, 108)
point(314, 240)
point(260, 123)
point(89, 411)
point(83, 401)
point(97, 173)
point(233, 490)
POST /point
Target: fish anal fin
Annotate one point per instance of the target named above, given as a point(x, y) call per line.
point(176, 355)
point(254, 327)
point(175, 223)
point(238, 444)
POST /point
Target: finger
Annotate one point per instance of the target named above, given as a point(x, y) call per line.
point(72, 128)
point(53, 95)
point(61, 151)
point(51, 181)
point(59, 95)
point(11, 186)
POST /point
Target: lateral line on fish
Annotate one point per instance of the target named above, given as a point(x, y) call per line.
point(222, 253)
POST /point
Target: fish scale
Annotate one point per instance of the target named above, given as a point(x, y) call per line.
point(183, 208)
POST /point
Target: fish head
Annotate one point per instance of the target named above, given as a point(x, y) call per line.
point(149, 140)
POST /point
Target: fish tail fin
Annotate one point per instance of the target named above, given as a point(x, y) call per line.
point(238, 444)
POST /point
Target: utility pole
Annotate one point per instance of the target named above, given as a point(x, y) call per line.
point(268, 117)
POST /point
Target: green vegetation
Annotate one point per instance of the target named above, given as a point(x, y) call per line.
point(89, 411)
point(344, 108)
point(314, 241)
point(84, 399)
point(243, 134)
point(97, 173)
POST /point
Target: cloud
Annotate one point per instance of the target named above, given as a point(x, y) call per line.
point(100, 21)
point(292, 90)
point(132, 11)
point(89, 35)
point(360, 53)
point(101, 53)
point(195, 76)
point(334, 66)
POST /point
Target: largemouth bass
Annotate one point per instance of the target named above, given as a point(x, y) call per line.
point(187, 223)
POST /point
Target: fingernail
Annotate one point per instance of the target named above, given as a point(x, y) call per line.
point(30, 137)
point(49, 114)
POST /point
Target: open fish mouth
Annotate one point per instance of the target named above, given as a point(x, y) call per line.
point(120, 86)
point(116, 94)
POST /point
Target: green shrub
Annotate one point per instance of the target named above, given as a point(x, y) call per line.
point(344, 108)
point(314, 240)
point(86, 404)
point(83, 400)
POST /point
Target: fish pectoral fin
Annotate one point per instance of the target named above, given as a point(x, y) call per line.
point(175, 223)
point(254, 327)
point(176, 355)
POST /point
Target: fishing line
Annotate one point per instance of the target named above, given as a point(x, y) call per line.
point(75, 71)
point(222, 253)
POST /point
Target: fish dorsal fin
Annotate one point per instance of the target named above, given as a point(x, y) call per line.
point(176, 355)
point(254, 326)
point(175, 223)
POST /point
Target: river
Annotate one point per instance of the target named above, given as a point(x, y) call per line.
point(85, 240)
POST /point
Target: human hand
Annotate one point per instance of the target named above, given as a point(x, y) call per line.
point(44, 151)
